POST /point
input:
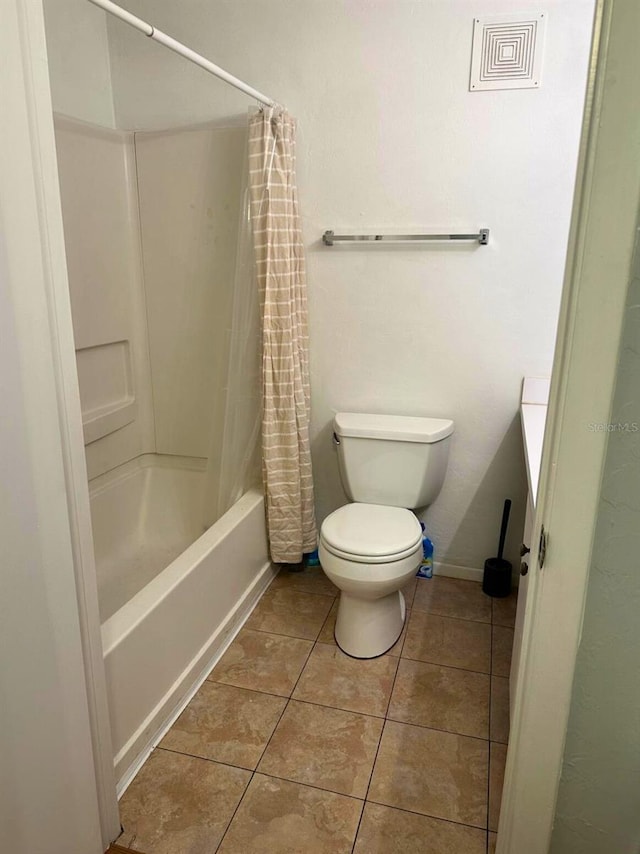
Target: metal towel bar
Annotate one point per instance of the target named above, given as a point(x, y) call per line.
point(329, 237)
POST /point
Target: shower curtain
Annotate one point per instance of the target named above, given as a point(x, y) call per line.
point(234, 459)
point(280, 271)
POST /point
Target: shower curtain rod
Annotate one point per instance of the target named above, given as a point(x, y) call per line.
point(181, 49)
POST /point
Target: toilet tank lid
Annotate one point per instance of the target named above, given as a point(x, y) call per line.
point(399, 428)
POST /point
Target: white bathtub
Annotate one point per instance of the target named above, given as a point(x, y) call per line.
point(164, 627)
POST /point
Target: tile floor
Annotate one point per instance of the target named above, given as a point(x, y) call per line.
point(292, 746)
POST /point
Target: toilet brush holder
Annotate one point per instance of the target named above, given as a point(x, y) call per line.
point(496, 580)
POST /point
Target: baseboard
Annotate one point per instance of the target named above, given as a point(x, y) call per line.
point(164, 715)
point(451, 570)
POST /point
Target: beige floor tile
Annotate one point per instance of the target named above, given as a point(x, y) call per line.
point(504, 610)
point(430, 772)
point(496, 779)
point(279, 817)
point(324, 747)
point(491, 843)
point(441, 697)
point(501, 646)
point(452, 597)
point(168, 807)
point(409, 591)
point(385, 830)
point(262, 662)
point(290, 612)
point(499, 730)
point(332, 678)
point(327, 631)
point(310, 580)
point(329, 625)
point(444, 640)
point(226, 724)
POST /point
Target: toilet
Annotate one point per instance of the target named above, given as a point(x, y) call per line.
point(372, 547)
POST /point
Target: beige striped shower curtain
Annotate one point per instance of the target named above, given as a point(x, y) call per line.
point(280, 268)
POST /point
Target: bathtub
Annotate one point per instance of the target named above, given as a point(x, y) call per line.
point(171, 597)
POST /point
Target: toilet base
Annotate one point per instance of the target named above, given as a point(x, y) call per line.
point(367, 628)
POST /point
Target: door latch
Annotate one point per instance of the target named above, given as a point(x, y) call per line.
point(542, 547)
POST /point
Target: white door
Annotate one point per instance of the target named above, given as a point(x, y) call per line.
point(598, 271)
point(529, 578)
point(57, 787)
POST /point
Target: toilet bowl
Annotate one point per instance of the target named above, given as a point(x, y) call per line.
point(370, 551)
point(371, 548)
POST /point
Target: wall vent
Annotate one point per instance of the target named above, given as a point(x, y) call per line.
point(507, 51)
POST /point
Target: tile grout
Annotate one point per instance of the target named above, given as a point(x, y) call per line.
point(373, 767)
point(429, 815)
point(346, 711)
point(249, 628)
point(452, 617)
point(437, 729)
point(448, 666)
point(363, 800)
point(284, 589)
point(384, 718)
point(286, 706)
point(309, 786)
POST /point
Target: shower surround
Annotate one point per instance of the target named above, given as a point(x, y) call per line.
point(151, 230)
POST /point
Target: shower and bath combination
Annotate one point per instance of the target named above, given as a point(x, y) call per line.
point(171, 296)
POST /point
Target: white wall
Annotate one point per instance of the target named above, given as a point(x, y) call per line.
point(102, 236)
point(598, 808)
point(79, 65)
point(390, 138)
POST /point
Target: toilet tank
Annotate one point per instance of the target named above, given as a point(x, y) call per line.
point(392, 459)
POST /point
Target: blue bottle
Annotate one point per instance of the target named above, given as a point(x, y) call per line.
point(311, 558)
point(425, 570)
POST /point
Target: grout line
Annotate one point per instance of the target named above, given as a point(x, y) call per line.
point(281, 635)
point(309, 786)
point(375, 758)
point(338, 709)
point(438, 729)
point(292, 589)
point(243, 688)
point(382, 655)
point(448, 666)
point(289, 698)
point(385, 718)
point(233, 815)
point(289, 588)
point(253, 773)
point(489, 756)
point(430, 815)
point(206, 759)
point(326, 620)
point(261, 773)
point(449, 616)
point(366, 794)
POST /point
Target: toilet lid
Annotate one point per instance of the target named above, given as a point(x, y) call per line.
point(371, 530)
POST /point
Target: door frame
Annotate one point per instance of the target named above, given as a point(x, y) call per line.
point(29, 138)
point(599, 262)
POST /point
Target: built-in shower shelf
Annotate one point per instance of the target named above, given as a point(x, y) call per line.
point(107, 396)
point(100, 422)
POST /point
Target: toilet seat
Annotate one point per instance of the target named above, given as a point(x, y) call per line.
point(371, 533)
